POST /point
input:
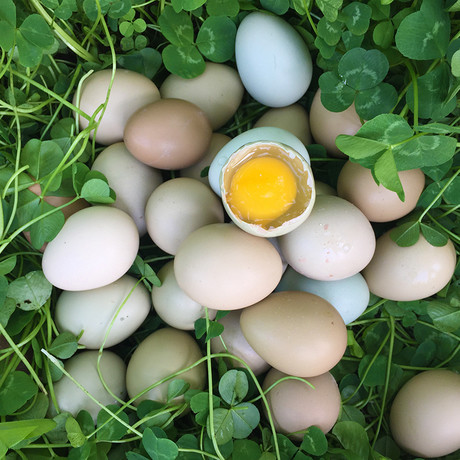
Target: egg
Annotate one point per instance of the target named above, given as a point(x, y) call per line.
point(57, 201)
point(296, 332)
point(237, 345)
point(425, 414)
point(95, 247)
point(168, 134)
point(293, 118)
point(335, 242)
point(267, 188)
point(173, 305)
point(326, 125)
point(163, 353)
point(266, 133)
point(83, 368)
point(273, 61)
point(357, 185)
point(218, 140)
point(295, 406)
point(178, 207)
point(218, 91)
point(324, 189)
point(132, 181)
point(409, 273)
point(94, 310)
point(222, 267)
point(129, 92)
point(349, 296)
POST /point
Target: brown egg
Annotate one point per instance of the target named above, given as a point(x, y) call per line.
point(161, 354)
point(237, 344)
point(409, 273)
point(222, 267)
point(168, 134)
point(132, 181)
point(326, 126)
point(57, 201)
point(173, 305)
point(357, 185)
point(218, 140)
point(218, 91)
point(425, 415)
point(296, 332)
point(130, 91)
point(293, 118)
point(295, 406)
point(177, 208)
point(335, 242)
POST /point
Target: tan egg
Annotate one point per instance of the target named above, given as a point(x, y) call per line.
point(293, 118)
point(409, 273)
point(132, 181)
point(92, 311)
point(296, 406)
point(173, 305)
point(57, 201)
point(218, 140)
point(326, 126)
point(357, 185)
point(324, 189)
point(225, 268)
point(96, 246)
point(218, 91)
point(83, 368)
point(177, 208)
point(335, 242)
point(296, 332)
point(168, 134)
point(425, 415)
point(165, 352)
point(130, 91)
point(237, 344)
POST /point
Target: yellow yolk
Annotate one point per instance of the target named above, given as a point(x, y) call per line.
point(262, 189)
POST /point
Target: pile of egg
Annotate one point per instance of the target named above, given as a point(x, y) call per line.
point(291, 280)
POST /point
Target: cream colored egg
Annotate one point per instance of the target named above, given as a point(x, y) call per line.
point(132, 181)
point(357, 185)
point(173, 305)
point(326, 125)
point(409, 273)
point(125, 303)
point(233, 341)
point(163, 353)
point(218, 91)
point(129, 92)
point(178, 207)
point(296, 332)
point(218, 140)
point(83, 368)
point(225, 268)
point(425, 414)
point(324, 189)
point(335, 242)
point(293, 118)
point(296, 406)
point(96, 246)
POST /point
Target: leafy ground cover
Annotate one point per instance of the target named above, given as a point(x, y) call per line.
point(408, 60)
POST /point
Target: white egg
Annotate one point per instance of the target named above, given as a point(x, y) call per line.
point(83, 368)
point(96, 246)
point(93, 311)
point(173, 305)
point(349, 296)
point(266, 133)
point(273, 61)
